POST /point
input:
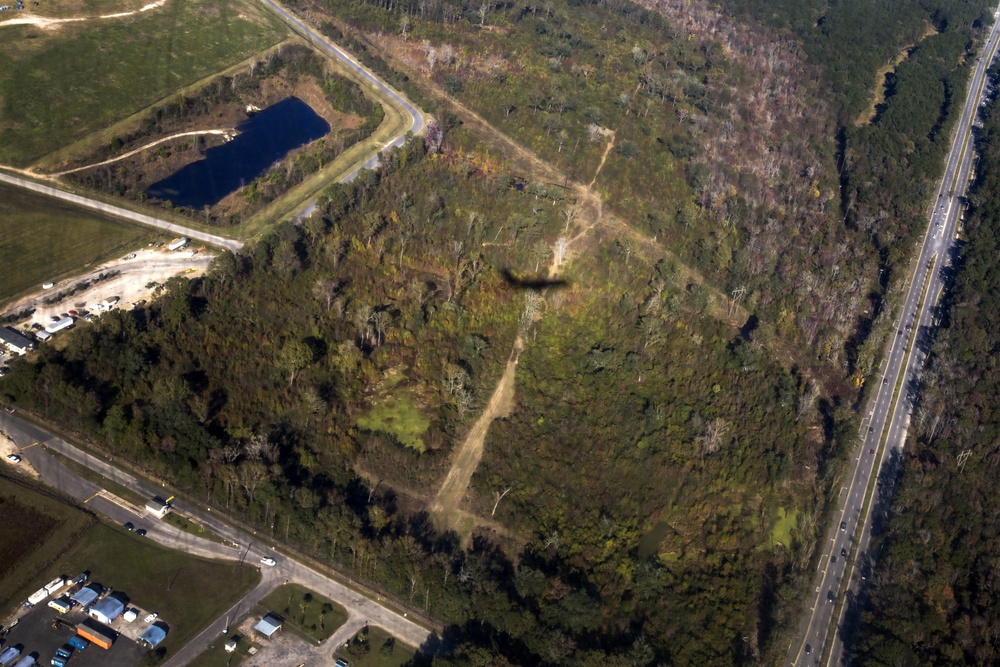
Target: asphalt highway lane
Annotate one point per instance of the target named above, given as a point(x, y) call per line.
point(889, 414)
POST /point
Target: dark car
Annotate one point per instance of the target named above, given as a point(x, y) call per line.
point(141, 532)
point(843, 553)
point(809, 649)
point(871, 429)
point(833, 559)
point(885, 380)
point(843, 526)
point(830, 597)
point(128, 525)
point(871, 452)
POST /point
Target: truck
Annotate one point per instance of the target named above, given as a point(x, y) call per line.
point(79, 643)
point(9, 655)
point(26, 661)
point(179, 243)
point(64, 652)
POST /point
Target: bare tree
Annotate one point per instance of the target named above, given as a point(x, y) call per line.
point(250, 475)
point(561, 247)
point(499, 496)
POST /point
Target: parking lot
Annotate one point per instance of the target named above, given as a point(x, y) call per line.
point(35, 635)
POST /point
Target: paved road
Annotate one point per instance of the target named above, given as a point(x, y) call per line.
point(120, 212)
point(839, 577)
point(35, 442)
point(321, 42)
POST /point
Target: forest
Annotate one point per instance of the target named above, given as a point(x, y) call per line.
point(931, 598)
point(276, 388)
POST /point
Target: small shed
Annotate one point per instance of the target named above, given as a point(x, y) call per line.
point(42, 336)
point(233, 642)
point(158, 507)
point(86, 595)
point(153, 635)
point(269, 624)
point(61, 605)
point(107, 610)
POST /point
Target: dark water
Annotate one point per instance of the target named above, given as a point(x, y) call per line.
point(263, 139)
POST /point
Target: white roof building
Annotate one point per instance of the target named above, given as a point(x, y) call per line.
point(64, 323)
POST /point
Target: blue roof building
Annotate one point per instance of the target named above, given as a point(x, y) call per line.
point(86, 595)
point(153, 635)
point(107, 610)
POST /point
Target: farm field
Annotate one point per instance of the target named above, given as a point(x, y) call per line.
point(38, 528)
point(62, 84)
point(43, 239)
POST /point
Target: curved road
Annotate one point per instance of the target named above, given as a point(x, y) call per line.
point(838, 579)
point(35, 443)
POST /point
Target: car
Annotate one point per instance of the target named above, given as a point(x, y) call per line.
point(54, 318)
point(871, 429)
point(340, 662)
point(150, 617)
point(843, 526)
point(48, 285)
point(809, 649)
point(843, 553)
point(871, 452)
point(833, 559)
point(141, 532)
point(129, 526)
point(270, 562)
point(885, 381)
point(830, 597)
point(13, 458)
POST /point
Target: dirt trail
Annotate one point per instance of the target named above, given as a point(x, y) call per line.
point(47, 23)
point(446, 507)
point(228, 133)
point(607, 151)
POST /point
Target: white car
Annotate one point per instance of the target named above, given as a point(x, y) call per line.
point(13, 458)
point(270, 562)
point(150, 617)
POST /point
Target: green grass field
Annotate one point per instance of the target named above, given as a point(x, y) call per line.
point(312, 615)
point(38, 529)
point(216, 656)
point(42, 239)
point(399, 418)
point(187, 592)
point(59, 85)
point(380, 650)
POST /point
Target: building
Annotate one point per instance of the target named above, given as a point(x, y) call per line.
point(130, 615)
point(86, 595)
point(42, 336)
point(233, 642)
point(14, 341)
point(64, 323)
point(61, 605)
point(153, 635)
point(158, 507)
point(269, 624)
point(96, 633)
point(107, 610)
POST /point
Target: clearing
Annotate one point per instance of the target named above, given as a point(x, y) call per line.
point(133, 281)
point(445, 509)
point(882, 74)
point(60, 85)
point(45, 239)
point(374, 647)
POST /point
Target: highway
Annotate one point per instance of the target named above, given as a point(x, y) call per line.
point(36, 445)
point(883, 432)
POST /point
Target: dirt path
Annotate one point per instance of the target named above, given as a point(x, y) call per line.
point(7, 447)
point(47, 23)
point(227, 133)
point(607, 151)
point(446, 507)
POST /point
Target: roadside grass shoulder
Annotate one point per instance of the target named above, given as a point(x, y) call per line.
point(192, 527)
point(377, 649)
point(44, 239)
point(309, 613)
point(60, 85)
point(38, 528)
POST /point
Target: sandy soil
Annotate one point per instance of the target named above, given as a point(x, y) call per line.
point(8, 446)
point(49, 23)
point(150, 265)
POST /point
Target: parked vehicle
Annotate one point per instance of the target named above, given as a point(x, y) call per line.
point(78, 643)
